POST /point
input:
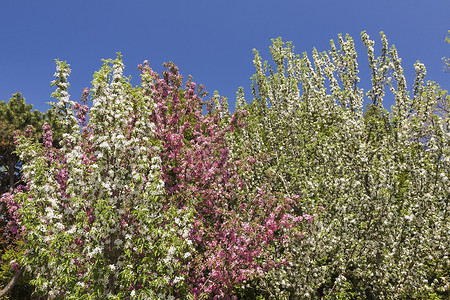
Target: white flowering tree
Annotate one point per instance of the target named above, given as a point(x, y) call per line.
point(381, 176)
point(91, 215)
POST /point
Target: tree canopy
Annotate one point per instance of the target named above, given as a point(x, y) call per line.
point(313, 189)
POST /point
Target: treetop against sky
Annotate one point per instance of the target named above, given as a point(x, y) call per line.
point(153, 198)
point(210, 40)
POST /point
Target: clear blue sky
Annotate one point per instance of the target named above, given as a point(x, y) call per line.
point(211, 40)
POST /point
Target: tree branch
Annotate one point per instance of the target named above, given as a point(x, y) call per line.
point(11, 283)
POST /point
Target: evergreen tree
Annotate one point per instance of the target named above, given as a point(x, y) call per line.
point(14, 115)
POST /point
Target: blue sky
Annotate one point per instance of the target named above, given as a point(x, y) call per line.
point(211, 40)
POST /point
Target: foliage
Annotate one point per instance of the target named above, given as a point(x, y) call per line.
point(312, 190)
point(144, 200)
point(442, 106)
point(235, 228)
point(447, 60)
point(381, 176)
point(100, 225)
point(14, 115)
point(23, 289)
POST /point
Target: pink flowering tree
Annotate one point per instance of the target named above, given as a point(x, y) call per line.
point(237, 229)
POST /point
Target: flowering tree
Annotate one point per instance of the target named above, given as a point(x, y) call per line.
point(381, 176)
point(151, 196)
point(235, 229)
point(14, 115)
point(90, 215)
point(143, 198)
